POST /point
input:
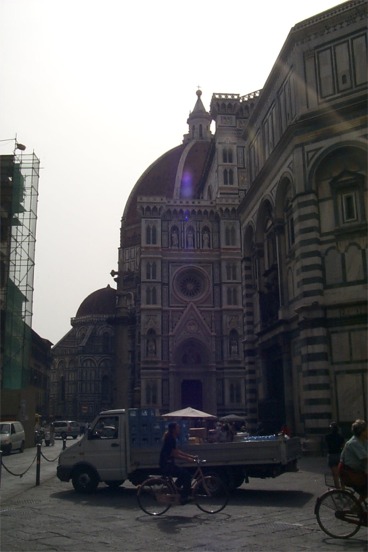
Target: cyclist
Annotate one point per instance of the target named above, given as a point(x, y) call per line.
point(353, 465)
point(169, 452)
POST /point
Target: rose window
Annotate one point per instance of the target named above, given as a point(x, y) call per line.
point(190, 284)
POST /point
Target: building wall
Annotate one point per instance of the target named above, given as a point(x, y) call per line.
point(83, 370)
point(307, 165)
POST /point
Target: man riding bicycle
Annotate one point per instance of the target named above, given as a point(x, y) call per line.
point(354, 460)
point(169, 452)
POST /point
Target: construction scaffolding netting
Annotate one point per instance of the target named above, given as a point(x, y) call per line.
point(22, 187)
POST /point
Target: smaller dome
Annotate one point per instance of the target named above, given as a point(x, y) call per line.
point(102, 301)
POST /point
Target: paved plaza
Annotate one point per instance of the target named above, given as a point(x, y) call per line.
point(264, 515)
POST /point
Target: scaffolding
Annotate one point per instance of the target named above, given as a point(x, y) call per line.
point(23, 187)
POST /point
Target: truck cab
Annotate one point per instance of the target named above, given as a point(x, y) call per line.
point(99, 456)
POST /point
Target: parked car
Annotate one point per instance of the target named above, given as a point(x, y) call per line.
point(66, 428)
point(12, 436)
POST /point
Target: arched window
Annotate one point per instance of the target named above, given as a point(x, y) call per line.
point(148, 234)
point(233, 343)
point(106, 342)
point(154, 235)
point(231, 177)
point(232, 236)
point(269, 245)
point(227, 236)
point(235, 392)
point(151, 234)
point(232, 296)
point(354, 264)
point(151, 271)
point(231, 271)
point(151, 345)
point(154, 296)
point(235, 296)
point(226, 177)
point(289, 224)
point(151, 392)
point(200, 131)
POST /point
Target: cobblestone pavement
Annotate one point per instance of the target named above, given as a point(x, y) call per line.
point(264, 515)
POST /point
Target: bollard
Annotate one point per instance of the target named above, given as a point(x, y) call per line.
point(38, 465)
point(64, 443)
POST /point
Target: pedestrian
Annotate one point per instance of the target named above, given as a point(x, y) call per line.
point(52, 434)
point(334, 442)
point(285, 431)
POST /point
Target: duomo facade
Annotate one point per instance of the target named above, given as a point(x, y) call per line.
point(241, 284)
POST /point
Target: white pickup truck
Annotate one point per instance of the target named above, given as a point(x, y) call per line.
point(125, 445)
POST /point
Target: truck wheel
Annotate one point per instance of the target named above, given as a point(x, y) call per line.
point(235, 478)
point(85, 480)
point(21, 447)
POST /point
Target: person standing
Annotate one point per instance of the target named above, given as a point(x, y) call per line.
point(334, 442)
point(169, 453)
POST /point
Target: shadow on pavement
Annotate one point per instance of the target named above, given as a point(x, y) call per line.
point(127, 497)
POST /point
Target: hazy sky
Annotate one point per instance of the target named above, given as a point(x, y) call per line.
point(98, 90)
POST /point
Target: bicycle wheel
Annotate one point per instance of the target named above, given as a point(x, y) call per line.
point(339, 513)
point(155, 496)
point(210, 494)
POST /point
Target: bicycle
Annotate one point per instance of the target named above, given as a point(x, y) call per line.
point(157, 494)
point(339, 513)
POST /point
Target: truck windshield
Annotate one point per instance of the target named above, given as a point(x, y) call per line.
point(106, 427)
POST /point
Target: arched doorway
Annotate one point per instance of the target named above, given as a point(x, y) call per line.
point(192, 394)
point(192, 384)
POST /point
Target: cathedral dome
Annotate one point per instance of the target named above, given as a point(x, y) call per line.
point(179, 173)
point(102, 301)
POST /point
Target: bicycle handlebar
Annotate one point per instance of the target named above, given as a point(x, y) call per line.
point(199, 460)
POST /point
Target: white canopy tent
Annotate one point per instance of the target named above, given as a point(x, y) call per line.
point(189, 412)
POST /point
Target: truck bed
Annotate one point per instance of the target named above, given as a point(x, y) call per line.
point(272, 452)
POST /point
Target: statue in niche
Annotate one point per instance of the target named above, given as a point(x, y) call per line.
point(151, 347)
point(206, 240)
point(190, 239)
point(234, 346)
point(174, 238)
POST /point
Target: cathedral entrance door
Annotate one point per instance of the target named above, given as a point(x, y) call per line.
point(192, 394)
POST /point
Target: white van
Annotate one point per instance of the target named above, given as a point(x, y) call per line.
point(66, 428)
point(12, 436)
